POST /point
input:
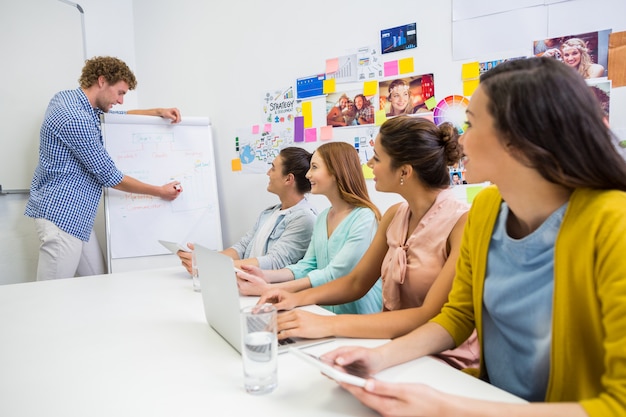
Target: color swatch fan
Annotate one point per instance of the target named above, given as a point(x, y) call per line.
point(452, 109)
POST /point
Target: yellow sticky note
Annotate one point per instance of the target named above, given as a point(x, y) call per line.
point(406, 65)
point(431, 103)
point(469, 87)
point(470, 70)
point(367, 172)
point(326, 132)
point(380, 117)
point(370, 88)
point(235, 164)
point(307, 114)
point(329, 86)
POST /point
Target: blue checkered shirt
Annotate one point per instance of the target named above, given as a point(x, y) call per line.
point(73, 165)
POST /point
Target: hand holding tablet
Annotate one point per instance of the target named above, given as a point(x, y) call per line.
point(174, 247)
point(353, 375)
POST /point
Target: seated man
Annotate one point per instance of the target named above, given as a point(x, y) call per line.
point(282, 233)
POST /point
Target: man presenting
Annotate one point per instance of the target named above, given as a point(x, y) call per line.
point(74, 167)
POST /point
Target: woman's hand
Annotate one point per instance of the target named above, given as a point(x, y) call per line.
point(282, 300)
point(251, 280)
point(395, 400)
point(300, 323)
point(368, 359)
point(185, 257)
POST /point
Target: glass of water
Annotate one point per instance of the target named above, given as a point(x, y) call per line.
point(259, 348)
point(194, 272)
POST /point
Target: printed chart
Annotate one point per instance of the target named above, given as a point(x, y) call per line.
point(452, 109)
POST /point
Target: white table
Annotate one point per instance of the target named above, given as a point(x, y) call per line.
point(137, 344)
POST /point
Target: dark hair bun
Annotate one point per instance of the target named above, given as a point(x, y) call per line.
point(449, 136)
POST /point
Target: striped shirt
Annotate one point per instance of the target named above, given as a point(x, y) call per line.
point(73, 165)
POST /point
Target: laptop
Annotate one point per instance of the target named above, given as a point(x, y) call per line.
point(220, 295)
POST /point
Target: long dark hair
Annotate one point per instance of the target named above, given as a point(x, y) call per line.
point(545, 112)
point(428, 148)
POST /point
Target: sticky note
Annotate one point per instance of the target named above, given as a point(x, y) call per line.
point(370, 88)
point(406, 65)
point(332, 65)
point(326, 132)
point(431, 103)
point(380, 117)
point(267, 127)
point(367, 172)
point(310, 135)
point(255, 129)
point(471, 192)
point(307, 113)
point(470, 70)
point(235, 164)
point(329, 86)
point(390, 68)
point(298, 129)
point(469, 87)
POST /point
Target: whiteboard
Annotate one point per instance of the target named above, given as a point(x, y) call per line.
point(42, 53)
point(155, 151)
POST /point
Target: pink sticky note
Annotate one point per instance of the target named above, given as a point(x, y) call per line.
point(310, 135)
point(255, 129)
point(332, 65)
point(267, 127)
point(391, 68)
point(326, 132)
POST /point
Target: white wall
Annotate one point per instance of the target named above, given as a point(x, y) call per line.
point(30, 76)
point(218, 61)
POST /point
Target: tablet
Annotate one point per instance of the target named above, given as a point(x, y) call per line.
point(350, 375)
point(174, 247)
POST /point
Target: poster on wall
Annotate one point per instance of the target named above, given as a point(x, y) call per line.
point(345, 69)
point(586, 52)
point(349, 107)
point(279, 106)
point(601, 88)
point(369, 66)
point(257, 147)
point(398, 38)
point(487, 65)
point(406, 95)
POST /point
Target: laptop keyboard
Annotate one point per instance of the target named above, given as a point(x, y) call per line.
point(254, 323)
point(287, 341)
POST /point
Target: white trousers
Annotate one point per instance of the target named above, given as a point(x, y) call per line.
point(62, 255)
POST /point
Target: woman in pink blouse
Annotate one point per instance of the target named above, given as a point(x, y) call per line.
point(414, 251)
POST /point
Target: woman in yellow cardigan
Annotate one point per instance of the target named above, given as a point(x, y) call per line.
point(541, 274)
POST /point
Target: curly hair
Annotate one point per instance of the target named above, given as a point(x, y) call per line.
point(112, 69)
